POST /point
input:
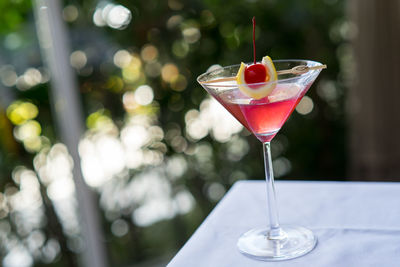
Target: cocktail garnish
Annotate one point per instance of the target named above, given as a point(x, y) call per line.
point(252, 79)
point(257, 80)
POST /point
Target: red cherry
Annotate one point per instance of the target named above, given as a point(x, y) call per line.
point(255, 73)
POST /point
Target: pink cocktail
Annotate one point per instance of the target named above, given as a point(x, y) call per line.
point(264, 117)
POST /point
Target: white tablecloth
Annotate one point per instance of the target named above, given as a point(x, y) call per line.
point(357, 224)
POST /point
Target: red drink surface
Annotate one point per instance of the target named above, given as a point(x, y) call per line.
point(263, 117)
point(266, 118)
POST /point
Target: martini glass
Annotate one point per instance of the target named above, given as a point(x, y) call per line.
point(264, 117)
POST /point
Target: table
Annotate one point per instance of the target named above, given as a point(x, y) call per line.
point(356, 223)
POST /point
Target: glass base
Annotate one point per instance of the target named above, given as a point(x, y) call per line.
point(295, 242)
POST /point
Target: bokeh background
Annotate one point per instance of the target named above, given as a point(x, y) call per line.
point(157, 151)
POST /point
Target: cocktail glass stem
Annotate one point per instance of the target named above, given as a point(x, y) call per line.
point(275, 231)
point(273, 243)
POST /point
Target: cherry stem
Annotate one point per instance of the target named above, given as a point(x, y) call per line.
point(254, 38)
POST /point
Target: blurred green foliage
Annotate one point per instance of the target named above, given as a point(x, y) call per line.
point(166, 45)
point(14, 14)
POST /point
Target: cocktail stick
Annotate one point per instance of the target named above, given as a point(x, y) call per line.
point(295, 70)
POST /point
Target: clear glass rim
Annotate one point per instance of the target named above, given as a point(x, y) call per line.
point(290, 79)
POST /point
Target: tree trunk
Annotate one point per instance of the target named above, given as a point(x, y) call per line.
point(374, 109)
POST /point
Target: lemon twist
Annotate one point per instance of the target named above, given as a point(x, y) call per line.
point(262, 90)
